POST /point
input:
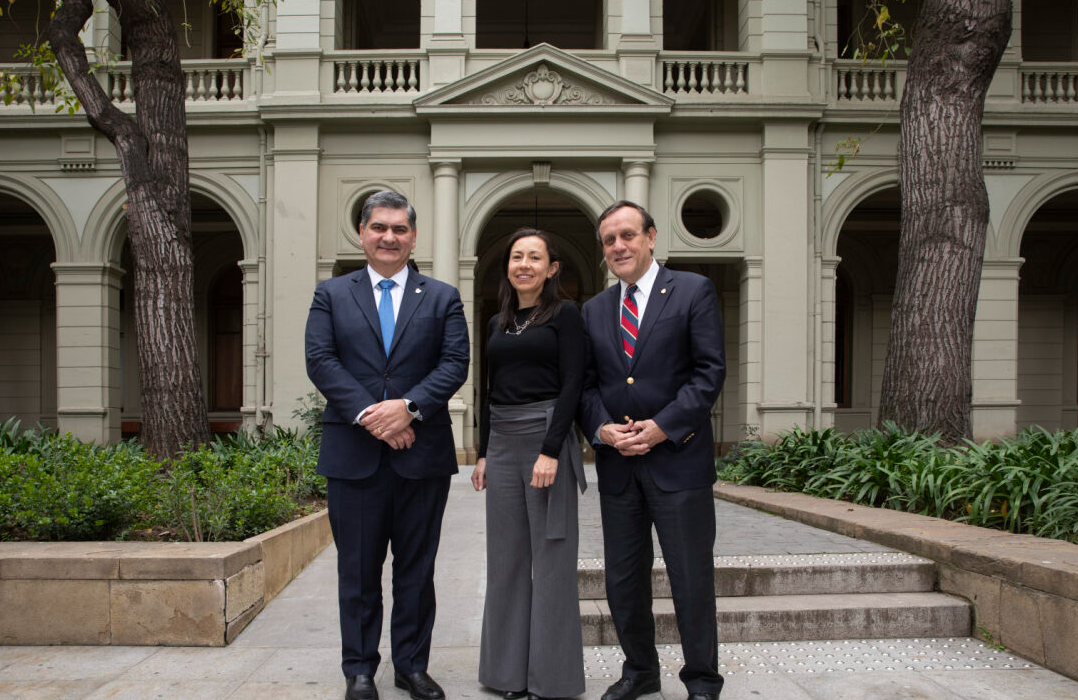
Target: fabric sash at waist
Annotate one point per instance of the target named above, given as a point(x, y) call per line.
point(535, 419)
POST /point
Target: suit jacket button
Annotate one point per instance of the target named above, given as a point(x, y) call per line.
point(385, 376)
point(630, 380)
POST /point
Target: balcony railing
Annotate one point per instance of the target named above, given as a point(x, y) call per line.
point(204, 81)
point(704, 74)
point(868, 82)
point(1047, 84)
point(27, 87)
point(377, 74)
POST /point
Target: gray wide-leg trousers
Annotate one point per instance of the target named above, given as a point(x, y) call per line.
point(531, 619)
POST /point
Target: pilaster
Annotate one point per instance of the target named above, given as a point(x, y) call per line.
point(994, 409)
point(463, 403)
point(252, 331)
point(293, 256)
point(750, 346)
point(88, 350)
point(785, 382)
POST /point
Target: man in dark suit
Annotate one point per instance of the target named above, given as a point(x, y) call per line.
point(656, 365)
point(387, 347)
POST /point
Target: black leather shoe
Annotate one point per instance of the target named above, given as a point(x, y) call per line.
point(631, 688)
point(703, 696)
point(514, 694)
point(360, 688)
point(419, 685)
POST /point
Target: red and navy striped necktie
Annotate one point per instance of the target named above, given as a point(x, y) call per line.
point(630, 323)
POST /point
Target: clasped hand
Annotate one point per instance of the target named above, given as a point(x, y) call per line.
point(390, 422)
point(633, 437)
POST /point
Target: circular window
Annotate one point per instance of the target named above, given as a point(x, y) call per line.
point(704, 214)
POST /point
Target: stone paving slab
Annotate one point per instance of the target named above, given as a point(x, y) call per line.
point(291, 651)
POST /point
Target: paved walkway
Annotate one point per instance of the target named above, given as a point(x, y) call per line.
point(291, 650)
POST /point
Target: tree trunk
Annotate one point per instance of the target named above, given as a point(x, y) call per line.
point(957, 45)
point(152, 152)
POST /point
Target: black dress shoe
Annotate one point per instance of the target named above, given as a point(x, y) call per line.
point(703, 696)
point(419, 685)
point(514, 694)
point(631, 688)
point(360, 688)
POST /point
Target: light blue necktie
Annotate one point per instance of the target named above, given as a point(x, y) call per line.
point(385, 313)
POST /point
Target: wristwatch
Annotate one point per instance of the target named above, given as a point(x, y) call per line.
point(412, 408)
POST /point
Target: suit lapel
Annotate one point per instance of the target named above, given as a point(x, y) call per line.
point(413, 295)
point(364, 296)
point(660, 292)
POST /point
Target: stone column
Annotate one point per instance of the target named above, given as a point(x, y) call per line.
point(464, 429)
point(637, 181)
point(825, 363)
point(446, 227)
point(995, 351)
point(785, 382)
point(292, 264)
point(749, 346)
point(252, 329)
point(88, 350)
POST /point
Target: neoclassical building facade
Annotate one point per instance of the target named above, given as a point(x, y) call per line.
point(721, 116)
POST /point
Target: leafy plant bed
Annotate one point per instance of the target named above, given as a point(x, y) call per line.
point(53, 487)
point(1027, 485)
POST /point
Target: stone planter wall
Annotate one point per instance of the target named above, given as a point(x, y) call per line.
point(146, 593)
point(1024, 589)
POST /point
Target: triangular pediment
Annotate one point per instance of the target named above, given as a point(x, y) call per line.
point(546, 77)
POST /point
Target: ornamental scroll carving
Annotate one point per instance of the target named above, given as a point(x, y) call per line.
point(544, 87)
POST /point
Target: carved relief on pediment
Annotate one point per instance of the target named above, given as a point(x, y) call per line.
point(541, 86)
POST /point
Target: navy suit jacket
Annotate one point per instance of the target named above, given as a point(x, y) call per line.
point(677, 371)
point(346, 360)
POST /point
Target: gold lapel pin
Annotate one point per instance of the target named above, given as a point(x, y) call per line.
point(662, 291)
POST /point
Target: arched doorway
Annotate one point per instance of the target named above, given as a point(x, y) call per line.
point(219, 319)
point(573, 231)
point(27, 316)
point(865, 285)
point(1048, 316)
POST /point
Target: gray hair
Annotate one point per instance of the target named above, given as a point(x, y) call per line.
point(386, 199)
point(646, 220)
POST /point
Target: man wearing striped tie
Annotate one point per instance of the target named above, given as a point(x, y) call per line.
point(655, 368)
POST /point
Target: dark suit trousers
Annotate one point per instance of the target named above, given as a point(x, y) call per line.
point(366, 515)
point(685, 524)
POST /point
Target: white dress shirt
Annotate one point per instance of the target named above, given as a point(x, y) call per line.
point(396, 294)
point(643, 293)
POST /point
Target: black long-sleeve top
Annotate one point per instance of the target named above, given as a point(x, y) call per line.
point(544, 362)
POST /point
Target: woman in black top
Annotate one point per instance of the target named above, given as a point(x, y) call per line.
point(530, 464)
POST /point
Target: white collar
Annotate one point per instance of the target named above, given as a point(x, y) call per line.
point(400, 277)
point(646, 282)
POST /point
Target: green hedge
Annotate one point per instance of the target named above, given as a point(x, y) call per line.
point(1028, 484)
point(54, 487)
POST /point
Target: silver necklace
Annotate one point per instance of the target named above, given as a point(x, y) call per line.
point(518, 328)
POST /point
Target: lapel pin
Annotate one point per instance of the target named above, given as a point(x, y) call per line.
point(418, 290)
point(662, 291)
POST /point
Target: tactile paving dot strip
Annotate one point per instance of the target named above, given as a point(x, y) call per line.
point(789, 560)
point(846, 656)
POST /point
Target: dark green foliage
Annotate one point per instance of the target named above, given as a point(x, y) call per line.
point(54, 487)
point(1026, 485)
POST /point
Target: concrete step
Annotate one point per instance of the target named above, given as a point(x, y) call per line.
point(793, 574)
point(777, 618)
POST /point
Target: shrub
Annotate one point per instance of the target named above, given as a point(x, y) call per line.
point(1028, 484)
point(56, 488)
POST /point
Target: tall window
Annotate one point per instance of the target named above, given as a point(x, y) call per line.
point(1048, 30)
point(700, 25)
point(381, 25)
point(567, 24)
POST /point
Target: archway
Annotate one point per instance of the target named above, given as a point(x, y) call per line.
point(219, 320)
point(1048, 316)
point(865, 283)
point(573, 231)
point(27, 315)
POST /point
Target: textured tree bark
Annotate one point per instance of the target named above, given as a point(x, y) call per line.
point(927, 384)
point(152, 152)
